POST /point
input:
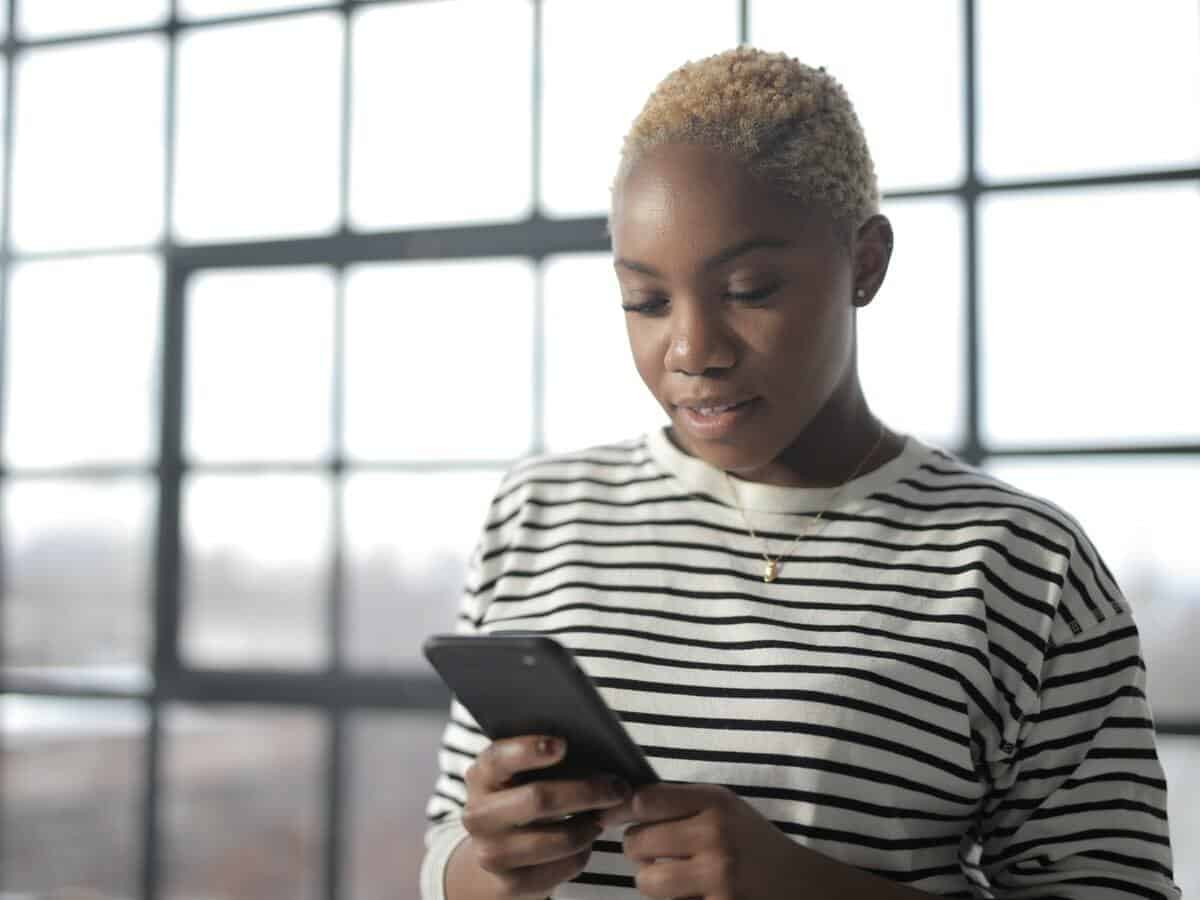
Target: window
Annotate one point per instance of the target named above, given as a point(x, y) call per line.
point(242, 237)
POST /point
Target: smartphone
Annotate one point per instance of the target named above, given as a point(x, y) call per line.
point(523, 683)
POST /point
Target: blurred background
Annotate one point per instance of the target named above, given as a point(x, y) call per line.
point(286, 286)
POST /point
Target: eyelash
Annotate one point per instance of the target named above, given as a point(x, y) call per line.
point(655, 304)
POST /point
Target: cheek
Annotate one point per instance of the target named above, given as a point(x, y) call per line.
point(644, 340)
point(813, 353)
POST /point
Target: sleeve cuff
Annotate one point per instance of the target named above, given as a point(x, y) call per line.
point(440, 842)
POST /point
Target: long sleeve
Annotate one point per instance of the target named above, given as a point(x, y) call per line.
point(462, 739)
point(1079, 811)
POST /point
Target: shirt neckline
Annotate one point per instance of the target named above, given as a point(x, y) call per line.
point(700, 477)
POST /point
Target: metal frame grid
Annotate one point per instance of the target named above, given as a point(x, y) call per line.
point(336, 691)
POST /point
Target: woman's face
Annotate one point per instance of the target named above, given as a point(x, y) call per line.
point(739, 304)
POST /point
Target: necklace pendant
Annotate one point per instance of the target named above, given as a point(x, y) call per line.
point(770, 570)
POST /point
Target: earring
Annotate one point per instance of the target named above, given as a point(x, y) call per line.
point(861, 293)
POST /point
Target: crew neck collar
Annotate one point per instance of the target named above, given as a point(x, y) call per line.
point(702, 478)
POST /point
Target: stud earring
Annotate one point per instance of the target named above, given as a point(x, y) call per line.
point(861, 293)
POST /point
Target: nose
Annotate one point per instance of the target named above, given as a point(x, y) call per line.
point(700, 341)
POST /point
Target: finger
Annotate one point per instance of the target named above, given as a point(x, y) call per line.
point(537, 845)
point(671, 878)
point(544, 879)
point(677, 838)
point(664, 802)
point(617, 815)
point(496, 765)
point(519, 806)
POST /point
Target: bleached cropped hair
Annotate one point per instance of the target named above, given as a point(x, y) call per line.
point(791, 124)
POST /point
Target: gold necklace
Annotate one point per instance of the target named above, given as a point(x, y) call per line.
point(771, 566)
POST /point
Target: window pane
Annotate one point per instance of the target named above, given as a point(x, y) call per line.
point(393, 767)
point(46, 18)
point(77, 578)
point(454, 153)
point(408, 538)
point(634, 44)
point(83, 352)
point(1125, 99)
point(1181, 759)
point(237, 407)
point(903, 74)
point(1139, 514)
point(88, 163)
point(257, 570)
point(196, 9)
point(911, 337)
point(259, 144)
point(72, 778)
point(438, 360)
point(243, 798)
point(1088, 328)
point(594, 394)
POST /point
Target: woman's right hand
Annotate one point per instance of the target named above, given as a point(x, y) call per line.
point(518, 847)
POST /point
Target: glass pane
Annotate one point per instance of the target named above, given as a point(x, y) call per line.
point(911, 338)
point(594, 394)
point(1087, 326)
point(46, 18)
point(257, 570)
point(243, 804)
point(83, 353)
point(1125, 96)
point(72, 778)
point(1139, 513)
point(237, 407)
point(197, 9)
point(438, 360)
point(634, 43)
point(404, 172)
point(393, 768)
point(1181, 759)
point(259, 145)
point(88, 163)
point(78, 579)
point(910, 103)
point(407, 542)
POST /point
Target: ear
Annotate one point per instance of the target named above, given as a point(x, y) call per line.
point(872, 253)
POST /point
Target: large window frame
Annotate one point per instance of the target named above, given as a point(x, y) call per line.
point(337, 690)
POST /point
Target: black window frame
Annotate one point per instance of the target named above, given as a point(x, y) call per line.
point(337, 690)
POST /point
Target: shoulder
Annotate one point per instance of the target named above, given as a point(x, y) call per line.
point(619, 471)
point(1034, 542)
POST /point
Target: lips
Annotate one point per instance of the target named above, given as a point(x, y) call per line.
point(714, 418)
point(712, 407)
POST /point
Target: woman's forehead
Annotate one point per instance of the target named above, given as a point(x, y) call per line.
point(689, 199)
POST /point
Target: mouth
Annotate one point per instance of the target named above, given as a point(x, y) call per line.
point(714, 418)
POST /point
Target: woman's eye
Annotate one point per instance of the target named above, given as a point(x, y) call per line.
point(754, 296)
point(648, 306)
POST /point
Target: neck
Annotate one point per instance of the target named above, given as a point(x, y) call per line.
point(844, 435)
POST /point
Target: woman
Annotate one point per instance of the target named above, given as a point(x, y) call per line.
point(861, 667)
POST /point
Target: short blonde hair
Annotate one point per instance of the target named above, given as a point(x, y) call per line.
point(791, 124)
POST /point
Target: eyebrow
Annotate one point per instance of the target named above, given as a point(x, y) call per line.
point(717, 259)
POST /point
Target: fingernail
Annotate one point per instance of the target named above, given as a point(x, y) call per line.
point(548, 746)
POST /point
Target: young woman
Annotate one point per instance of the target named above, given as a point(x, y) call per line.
point(862, 667)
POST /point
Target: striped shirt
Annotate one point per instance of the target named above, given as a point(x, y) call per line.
point(944, 685)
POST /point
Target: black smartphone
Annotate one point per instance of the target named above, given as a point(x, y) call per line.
point(521, 683)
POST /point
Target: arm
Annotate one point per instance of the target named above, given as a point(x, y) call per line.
point(1079, 809)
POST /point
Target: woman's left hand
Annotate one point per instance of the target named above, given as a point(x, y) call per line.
point(701, 840)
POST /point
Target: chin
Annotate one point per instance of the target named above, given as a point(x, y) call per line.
point(736, 458)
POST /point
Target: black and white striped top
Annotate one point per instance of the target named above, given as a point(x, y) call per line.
point(944, 686)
